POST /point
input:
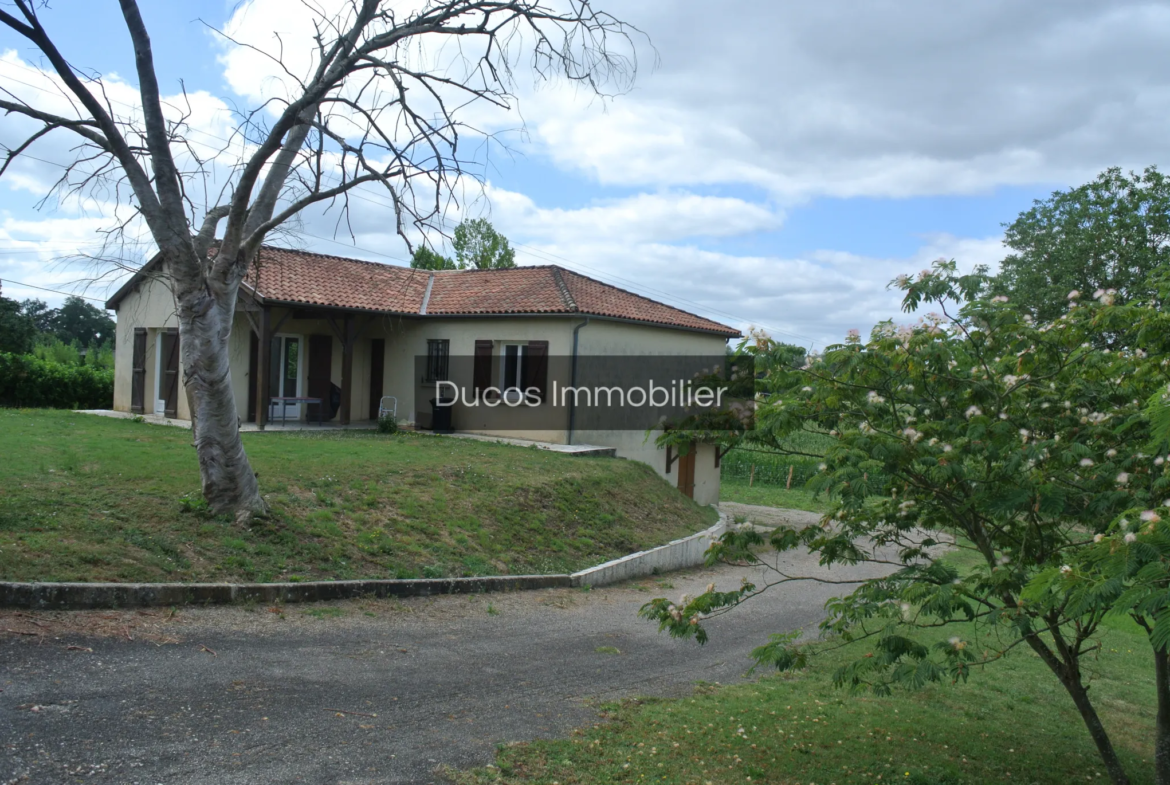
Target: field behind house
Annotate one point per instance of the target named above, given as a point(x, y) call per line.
point(752, 475)
point(97, 499)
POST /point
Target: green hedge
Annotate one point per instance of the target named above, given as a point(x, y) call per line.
point(32, 383)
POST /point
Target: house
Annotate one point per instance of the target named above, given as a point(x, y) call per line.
point(318, 327)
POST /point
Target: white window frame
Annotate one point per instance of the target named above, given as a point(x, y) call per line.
point(506, 388)
point(292, 411)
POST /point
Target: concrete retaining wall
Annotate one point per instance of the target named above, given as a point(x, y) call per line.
point(85, 596)
point(677, 555)
point(680, 554)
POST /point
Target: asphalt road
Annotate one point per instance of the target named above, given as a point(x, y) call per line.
point(361, 692)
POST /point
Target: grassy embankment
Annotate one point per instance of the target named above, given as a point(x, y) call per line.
point(91, 498)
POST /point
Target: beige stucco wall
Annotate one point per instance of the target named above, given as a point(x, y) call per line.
point(414, 395)
point(636, 447)
point(602, 337)
point(150, 305)
point(608, 337)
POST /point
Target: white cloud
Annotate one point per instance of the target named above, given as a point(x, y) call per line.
point(66, 254)
point(810, 301)
point(835, 98)
point(662, 217)
point(641, 243)
point(848, 99)
point(208, 128)
point(801, 100)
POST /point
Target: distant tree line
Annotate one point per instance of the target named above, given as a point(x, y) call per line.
point(75, 333)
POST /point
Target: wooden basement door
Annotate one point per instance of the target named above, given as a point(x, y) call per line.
point(686, 472)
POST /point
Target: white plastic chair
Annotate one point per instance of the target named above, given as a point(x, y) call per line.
point(388, 407)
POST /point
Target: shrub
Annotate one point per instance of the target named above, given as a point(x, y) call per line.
point(387, 424)
point(29, 382)
point(53, 350)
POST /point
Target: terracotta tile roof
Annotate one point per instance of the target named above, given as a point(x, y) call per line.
point(515, 290)
point(316, 279)
point(596, 297)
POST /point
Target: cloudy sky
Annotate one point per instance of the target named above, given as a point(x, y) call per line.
point(776, 163)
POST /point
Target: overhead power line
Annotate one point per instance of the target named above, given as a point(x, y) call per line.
point(54, 291)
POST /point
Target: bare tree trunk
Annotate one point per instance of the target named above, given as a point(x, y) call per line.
point(290, 157)
point(1070, 676)
point(206, 314)
point(1162, 726)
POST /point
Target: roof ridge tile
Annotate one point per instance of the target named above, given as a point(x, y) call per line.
point(567, 296)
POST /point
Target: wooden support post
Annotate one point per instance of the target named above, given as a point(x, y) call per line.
point(347, 368)
point(752, 476)
point(263, 361)
point(788, 487)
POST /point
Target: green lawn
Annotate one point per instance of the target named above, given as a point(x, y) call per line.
point(92, 498)
point(1011, 723)
point(772, 496)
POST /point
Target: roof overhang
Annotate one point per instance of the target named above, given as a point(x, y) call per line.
point(249, 293)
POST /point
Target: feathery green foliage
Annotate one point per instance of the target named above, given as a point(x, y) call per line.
point(1033, 447)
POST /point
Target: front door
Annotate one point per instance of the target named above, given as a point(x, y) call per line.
point(686, 472)
point(320, 374)
point(377, 371)
point(284, 377)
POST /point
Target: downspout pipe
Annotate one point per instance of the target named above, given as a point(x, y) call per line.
point(573, 383)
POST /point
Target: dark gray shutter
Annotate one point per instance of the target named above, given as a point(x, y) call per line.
point(138, 373)
point(253, 366)
point(482, 370)
point(536, 367)
point(170, 351)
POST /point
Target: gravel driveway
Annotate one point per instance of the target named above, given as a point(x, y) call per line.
point(359, 692)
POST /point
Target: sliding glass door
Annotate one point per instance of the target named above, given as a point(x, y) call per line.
point(284, 377)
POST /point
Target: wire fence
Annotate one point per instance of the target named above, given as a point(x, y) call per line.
point(764, 467)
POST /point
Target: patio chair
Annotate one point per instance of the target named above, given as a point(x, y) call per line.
point(388, 407)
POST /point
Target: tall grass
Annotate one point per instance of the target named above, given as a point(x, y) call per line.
point(764, 467)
